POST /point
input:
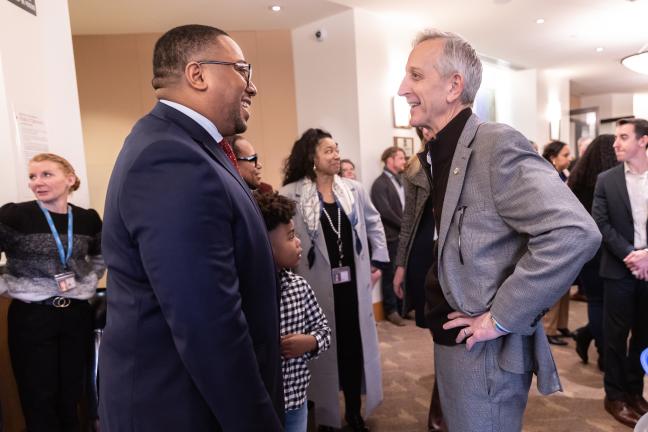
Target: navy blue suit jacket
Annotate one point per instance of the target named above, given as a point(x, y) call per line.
point(613, 214)
point(192, 337)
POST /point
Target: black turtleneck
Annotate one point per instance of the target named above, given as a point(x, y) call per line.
point(441, 150)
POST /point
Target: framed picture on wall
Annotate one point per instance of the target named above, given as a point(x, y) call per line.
point(406, 143)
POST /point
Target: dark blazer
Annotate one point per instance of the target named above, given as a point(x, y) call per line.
point(612, 212)
point(192, 336)
point(384, 197)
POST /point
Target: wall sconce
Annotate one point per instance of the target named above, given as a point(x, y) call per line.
point(640, 105)
point(401, 111)
point(554, 112)
point(554, 130)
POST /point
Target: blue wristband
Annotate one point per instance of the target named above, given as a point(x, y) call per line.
point(498, 327)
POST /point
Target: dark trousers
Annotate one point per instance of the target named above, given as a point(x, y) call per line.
point(391, 303)
point(624, 311)
point(49, 348)
point(349, 345)
point(593, 286)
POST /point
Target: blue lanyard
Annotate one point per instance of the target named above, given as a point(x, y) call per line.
point(59, 245)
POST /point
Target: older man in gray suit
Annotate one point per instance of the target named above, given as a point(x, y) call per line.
point(512, 237)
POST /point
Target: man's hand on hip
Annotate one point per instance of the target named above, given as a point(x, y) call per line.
point(475, 329)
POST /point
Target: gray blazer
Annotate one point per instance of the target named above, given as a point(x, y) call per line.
point(512, 238)
point(324, 389)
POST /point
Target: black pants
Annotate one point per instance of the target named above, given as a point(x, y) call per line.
point(624, 311)
point(49, 349)
point(349, 345)
point(593, 286)
point(391, 303)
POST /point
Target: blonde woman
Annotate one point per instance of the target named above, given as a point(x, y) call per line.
point(416, 252)
point(53, 251)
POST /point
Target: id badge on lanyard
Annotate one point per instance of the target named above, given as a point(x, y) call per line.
point(340, 274)
point(65, 281)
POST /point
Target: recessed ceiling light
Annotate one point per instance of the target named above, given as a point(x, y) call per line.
point(540, 21)
point(599, 49)
point(275, 8)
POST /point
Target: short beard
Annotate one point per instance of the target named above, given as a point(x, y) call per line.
point(240, 125)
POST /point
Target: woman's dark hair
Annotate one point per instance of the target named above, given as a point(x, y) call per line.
point(552, 150)
point(299, 163)
point(598, 157)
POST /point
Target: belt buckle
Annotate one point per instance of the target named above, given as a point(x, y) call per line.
point(61, 302)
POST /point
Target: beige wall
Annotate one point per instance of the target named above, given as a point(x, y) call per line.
point(114, 73)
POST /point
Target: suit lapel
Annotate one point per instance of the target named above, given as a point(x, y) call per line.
point(202, 138)
point(394, 197)
point(622, 189)
point(320, 241)
point(456, 177)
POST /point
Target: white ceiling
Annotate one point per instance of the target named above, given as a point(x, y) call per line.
point(503, 29)
point(155, 16)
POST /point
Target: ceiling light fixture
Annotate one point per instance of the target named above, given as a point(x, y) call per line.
point(637, 62)
point(275, 8)
point(540, 21)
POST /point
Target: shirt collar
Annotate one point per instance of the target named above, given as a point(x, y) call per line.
point(443, 145)
point(197, 117)
point(389, 173)
point(392, 176)
point(627, 170)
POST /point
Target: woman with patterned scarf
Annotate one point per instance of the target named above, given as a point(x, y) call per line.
point(339, 229)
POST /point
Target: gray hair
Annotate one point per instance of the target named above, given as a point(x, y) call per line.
point(458, 56)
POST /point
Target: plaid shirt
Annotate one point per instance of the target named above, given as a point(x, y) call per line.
point(300, 313)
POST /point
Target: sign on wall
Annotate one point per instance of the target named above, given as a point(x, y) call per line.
point(28, 5)
point(31, 139)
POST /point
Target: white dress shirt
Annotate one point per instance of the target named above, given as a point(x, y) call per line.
point(398, 185)
point(197, 117)
point(637, 185)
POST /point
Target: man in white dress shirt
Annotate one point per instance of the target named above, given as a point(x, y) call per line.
point(620, 209)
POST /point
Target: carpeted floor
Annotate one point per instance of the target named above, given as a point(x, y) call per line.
point(407, 378)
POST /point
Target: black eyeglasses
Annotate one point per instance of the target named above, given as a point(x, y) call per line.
point(245, 69)
point(253, 158)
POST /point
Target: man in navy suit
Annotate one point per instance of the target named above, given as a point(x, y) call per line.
point(192, 337)
point(620, 208)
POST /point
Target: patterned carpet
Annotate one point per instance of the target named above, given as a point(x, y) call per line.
point(407, 377)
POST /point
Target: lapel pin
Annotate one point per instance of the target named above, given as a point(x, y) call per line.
point(455, 171)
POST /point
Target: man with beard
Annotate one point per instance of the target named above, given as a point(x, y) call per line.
point(192, 337)
point(388, 196)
